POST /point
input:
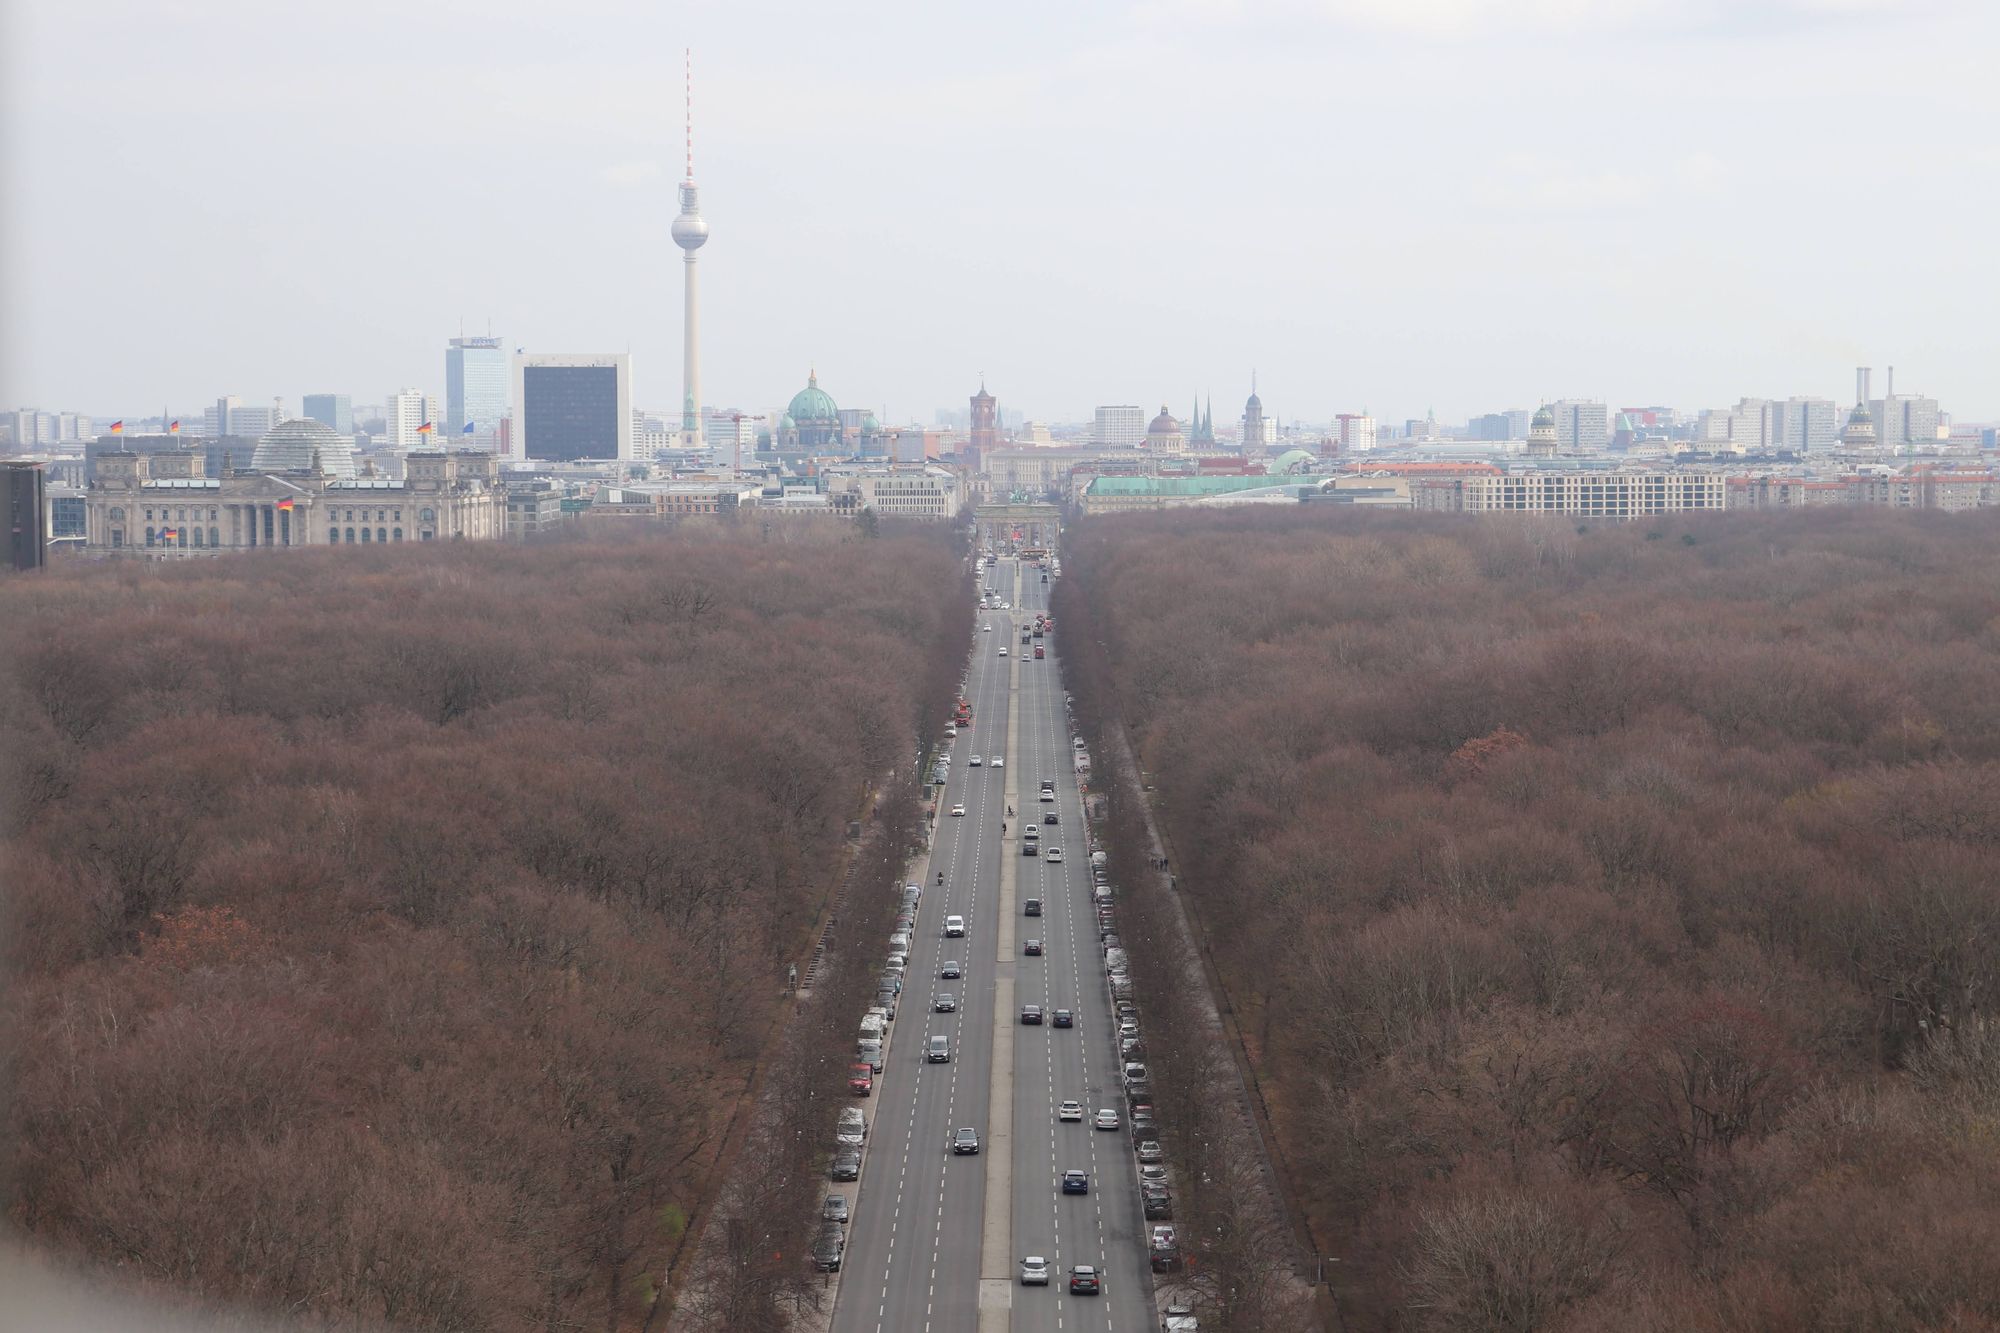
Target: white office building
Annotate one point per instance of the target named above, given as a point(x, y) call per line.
point(1119, 427)
point(1804, 425)
point(1583, 426)
point(404, 416)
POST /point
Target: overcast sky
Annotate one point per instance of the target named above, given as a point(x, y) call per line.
point(1390, 204)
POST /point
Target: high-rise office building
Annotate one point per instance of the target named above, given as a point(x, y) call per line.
point(230, 416)
point(477, 376)
point(574, 405)
point(217, 421)
point(1582, 425)
point(403, 418)
point(1802, 425)
point(1493, 426)
point(1119, 426)
point(24, 509)
point(1356, 432)
point(331, 409)
point(1905, 419)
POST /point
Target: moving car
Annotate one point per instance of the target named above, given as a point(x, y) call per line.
point(846, 1164)
point(950, 970)
point(1034, 1271)
point(1063, 1018)
point(1075, 1182)
point(1032, 948)
point(828, 1249)
point(1033, 907)
point(1054, 854)
point(1085, 1281)
point(945, 1003)
point(939, 1052)
point(1051, 817)
point(1003, 650)
point(834, 1209)
point(1031, 1013)
point(974, 762)
point(958, 812)
point(1069, 1111)
point(954, 927)
point(1106, 1119)
point(996, 762)
point(964, 1142)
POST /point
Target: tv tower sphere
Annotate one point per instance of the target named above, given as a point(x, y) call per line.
point(689, 230)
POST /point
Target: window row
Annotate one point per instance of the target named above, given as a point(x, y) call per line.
point(367, 535)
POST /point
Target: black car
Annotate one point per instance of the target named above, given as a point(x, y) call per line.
point(1032, 948)
point(1085, 1281)
point(846, 1165)
point(1075, 1182)
point(828, 1249)
point(1160, 1209)
point(1063, 1018)
point(1031, 1013)
point(965, 1141)
point(1051, 818)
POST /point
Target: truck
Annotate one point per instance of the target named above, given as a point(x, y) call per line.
point(1038, 652)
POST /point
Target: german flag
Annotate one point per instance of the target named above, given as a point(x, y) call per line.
point(169, 534)
point(426, 429)
point(285, 505)
point(118, 426)
point(173, 428)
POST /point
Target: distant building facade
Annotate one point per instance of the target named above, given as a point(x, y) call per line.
point(24, 509)
point(331, 409)
point(477, 379)
point(1609, 495)
point(1582, 425)
point(1120, 426)
point(574, 405)
point(162, 505)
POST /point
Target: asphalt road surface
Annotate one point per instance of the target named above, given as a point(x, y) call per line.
point(928, 1226)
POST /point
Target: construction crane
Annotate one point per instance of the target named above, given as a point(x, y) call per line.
point(736, 441)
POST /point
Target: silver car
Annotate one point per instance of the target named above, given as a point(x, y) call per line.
point(1034, 1271)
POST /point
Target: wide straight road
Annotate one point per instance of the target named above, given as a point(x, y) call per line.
point(1103, 1228)
point(925, 1230)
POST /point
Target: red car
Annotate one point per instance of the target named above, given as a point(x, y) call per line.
point(860, 1079)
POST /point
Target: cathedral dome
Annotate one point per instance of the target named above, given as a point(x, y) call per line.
point(1163, 424)
point(1546, 416)
point(291, 445)
point(813, 405)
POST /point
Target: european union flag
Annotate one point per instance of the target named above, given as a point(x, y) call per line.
point(467, 430)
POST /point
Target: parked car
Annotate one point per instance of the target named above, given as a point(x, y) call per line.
point(846, 1164)
point(861, 1078)
point(1180, 1319)
point(828, 1250)
point(1157, 1210)
point(834, 1209)
point(853, 1128)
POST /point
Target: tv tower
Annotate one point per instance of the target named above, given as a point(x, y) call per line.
point(689, 233)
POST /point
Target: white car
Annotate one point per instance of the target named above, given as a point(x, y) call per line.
point(996, 762)
point(986, 628)
point(974, 762)
point(1107, 1119)
point(958, 811)
point(1003, 650)
point(1034, 1271)
point(1053, 854)
point(1070, 1111)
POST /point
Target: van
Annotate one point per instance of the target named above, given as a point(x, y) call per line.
point(939, 1052)
point(954, 927)
point(872, 1027)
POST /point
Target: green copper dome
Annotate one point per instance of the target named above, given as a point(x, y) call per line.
point(813, 404)
point(1545, 417)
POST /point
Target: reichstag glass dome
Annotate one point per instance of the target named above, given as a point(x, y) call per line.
point(290, 448)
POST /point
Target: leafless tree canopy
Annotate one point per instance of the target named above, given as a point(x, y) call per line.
point(1612, 915)
point(390, 934)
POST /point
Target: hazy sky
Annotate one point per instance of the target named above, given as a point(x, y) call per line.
point(1396, 204)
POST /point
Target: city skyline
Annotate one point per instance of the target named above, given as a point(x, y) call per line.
point(1443, 203)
